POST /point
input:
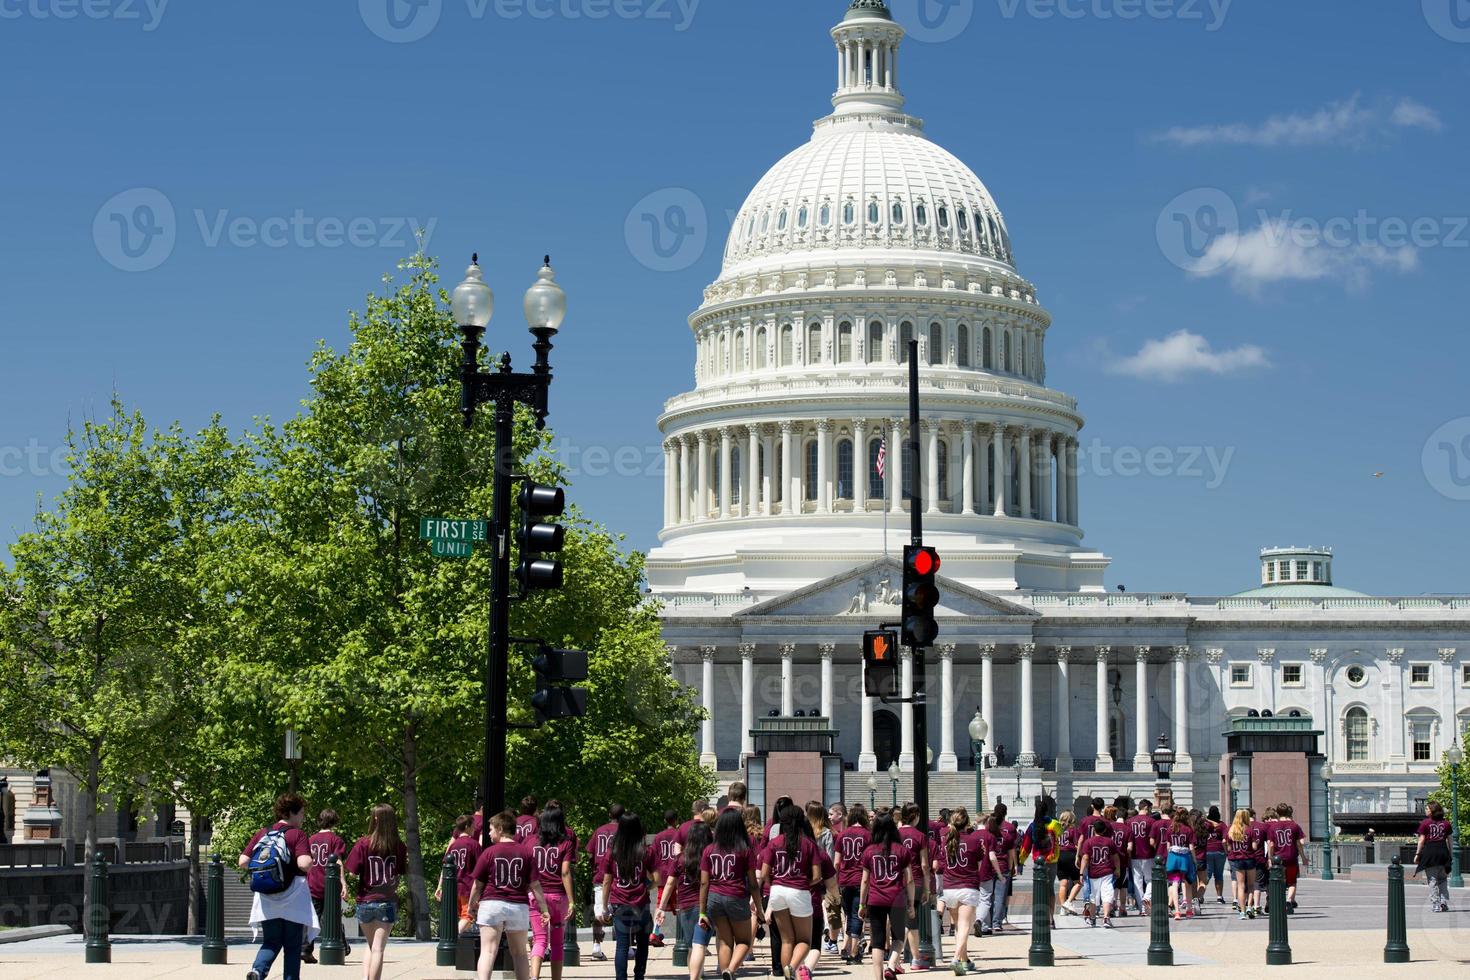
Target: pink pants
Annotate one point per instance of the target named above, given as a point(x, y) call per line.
point(549, 947)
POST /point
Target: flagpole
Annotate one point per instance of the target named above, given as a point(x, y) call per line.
point(886, 469)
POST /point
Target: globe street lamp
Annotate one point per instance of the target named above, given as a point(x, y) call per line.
point(1163, 760)
point(1327, 844)
point(1455, 756)
point(893, 779)
point(293, 758)
point(978, 730)
point(872, 793)
point(1234, 794)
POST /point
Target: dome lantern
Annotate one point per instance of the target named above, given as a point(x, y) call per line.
point(867, 60)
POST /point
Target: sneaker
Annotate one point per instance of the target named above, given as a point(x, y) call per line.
point(1177, 916)
point(1444, 908)
point(656, 941)
point(959, 968)
point(888, 974)
point(1220, 900)
point(1291, 908)
point(726, 975)
point(802, 973)
point(307, 956)
point(829, 947)
point(1235, 906)
point(1243, 916)
point(789, 973)
point(1107, 923)
point(253, 975)
point(1092, 922)
point(599, 956)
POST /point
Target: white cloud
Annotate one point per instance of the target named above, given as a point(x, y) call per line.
point(1182, 354)
point(1350, 123)
point(1278, 250)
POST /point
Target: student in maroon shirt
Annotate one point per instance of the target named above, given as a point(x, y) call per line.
point(596, 849)
point(624, 874)
point(1240, 851)
point(553, 852)
point(1283, 840)
point(464, 851)
point(1214, 855)
point(887, 895)
point(505, 878)
point(527, 825)
point(284, 921)
point(665, 855)
point(379, 860)
point(727, 883)
point(696, 815)
point(323, 844)
point(851, 843)
point(1180, 868)
point(790, 865)
point(920, 849)
point(1100, 865)
point(1140, 852)
point(680, 895)
point(1432, 856)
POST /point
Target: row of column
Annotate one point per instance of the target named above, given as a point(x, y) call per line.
point(1036, 470)
point(948, 760)
point(856, 56)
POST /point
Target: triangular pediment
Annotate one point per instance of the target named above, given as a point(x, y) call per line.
point(871, 591)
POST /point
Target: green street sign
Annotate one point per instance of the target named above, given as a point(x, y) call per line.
point(452, 549)
point(446, 529)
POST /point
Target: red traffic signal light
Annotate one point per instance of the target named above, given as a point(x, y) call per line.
point(920, 595)
point(923, 561)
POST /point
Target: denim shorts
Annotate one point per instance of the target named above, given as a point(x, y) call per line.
point(385, 912)
point(727, 907)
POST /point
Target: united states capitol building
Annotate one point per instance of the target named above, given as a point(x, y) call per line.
point(780, 541)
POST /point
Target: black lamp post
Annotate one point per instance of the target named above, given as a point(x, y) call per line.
point(473, 305)
point(1455, 755)
point(293, 758)
point(978, 730)
point(1163, 759)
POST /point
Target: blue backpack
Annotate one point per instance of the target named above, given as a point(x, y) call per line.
point(270, 864)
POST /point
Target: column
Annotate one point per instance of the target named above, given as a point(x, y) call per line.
point(751, 498)
point(1142, 752)
point(824, 466)
point(967, 481)
point(788, 506)
point(670, 487)
point(859, 466)
point(998, 445)
point(788, 692)
point(987, 694)
point(1393, 699)
point(948, 762)
point(1104, 757)
point(1025, 464)
point(867, 758)
point(747, 700)
point(931, 454)
point(906, 691)
point(1064, 709)
point(768, 485)
point(1047, 513)
point(707, 756)
point(982, 490)
point(686, 491)
point(1072, 516)
point(827, 650)
point(1027, 758)
point(701, 498)
point(1182, 761)
point(725, 481)
point(895, 466)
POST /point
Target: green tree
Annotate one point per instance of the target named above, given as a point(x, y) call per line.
point(1451, 777)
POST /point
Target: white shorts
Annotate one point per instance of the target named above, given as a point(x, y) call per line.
point(510, 916)
point(961, 896)
point(1102, 891)
point(797, 901)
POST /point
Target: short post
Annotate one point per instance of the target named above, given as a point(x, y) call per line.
point(333, 951)
point(1396, 950)
point(99, 945)
point(571, 952)
point(1160, 950)
point(1278, 949)
point(214, 952)
point(445, 952)
point(1041, 953)
point(925, 959)
point(681, 943)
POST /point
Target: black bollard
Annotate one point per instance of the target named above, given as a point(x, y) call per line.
point(214, 951)
point(681, 942)
point(571, 953)
point(1041, 953)
point(333, 950)
point(1160, 950)
point(444, 953)
point(99, 945)
point(1278, 949)
point(1396, 950)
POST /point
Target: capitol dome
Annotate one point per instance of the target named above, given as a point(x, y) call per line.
point(787, 461)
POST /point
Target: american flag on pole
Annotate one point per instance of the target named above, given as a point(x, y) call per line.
point(882, 456)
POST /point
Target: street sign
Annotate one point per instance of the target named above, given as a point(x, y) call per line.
point(451, 538)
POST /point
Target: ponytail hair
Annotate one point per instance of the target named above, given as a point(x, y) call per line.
point(959, 822)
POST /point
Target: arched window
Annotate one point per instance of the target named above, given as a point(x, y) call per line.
point(724, 365)
point(844, 469)
point(875, 482)
point(962, 341)
point(985, 356)
point(905, 337)
point(943, 216)
point(765, 222)
point(936, 343)
point(825, 215)
point(785, 358)
point(963, 217)
point(1006, 363)
point(844, 343)
point(1355, 727)
point(921, 214)
point(875, 342)
point(943, 472)
point(740, 351)
point(801, 216)
point(781, 221)
point(898, 212)
point(735, 470)
point(809, 492)
point(814, 344)
point(849, 213)
point(761, 357)
point(873, 214)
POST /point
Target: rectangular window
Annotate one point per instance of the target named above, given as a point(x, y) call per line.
point(1240, 675)
point(1291, 675)
point(1301, 570)
point(1286, 571)
point(1465, 675)
point(1271, 571)
point(1419, 675)
point(1421, 747)
point(1317, 571)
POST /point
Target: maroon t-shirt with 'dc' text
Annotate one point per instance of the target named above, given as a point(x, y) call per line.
point(322, 845)
point(851, 844)
point(377, 874)
point(1099, 852)
point(729, 871)
point(788, 870)
point(504, 872)
point(885, 865)
point(464, 851)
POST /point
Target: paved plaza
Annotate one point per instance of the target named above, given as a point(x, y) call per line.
point(1340, 925)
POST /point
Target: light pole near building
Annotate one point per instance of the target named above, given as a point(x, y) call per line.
point(293, 758)
point(893, 780)
point(1163, 760)
point(872, 793)
point(978, 730)
point(1234, 794)
point(1327, 844)
point(1455, 756)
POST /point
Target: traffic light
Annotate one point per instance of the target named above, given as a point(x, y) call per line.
point(920, 595)
point(538, 538)
point(555, 668)
point(880, 663)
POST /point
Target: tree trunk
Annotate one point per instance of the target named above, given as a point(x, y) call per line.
point(196, 926)
point(94, 783)
point(417, 887)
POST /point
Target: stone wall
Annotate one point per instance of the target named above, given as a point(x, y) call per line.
point(144, 899)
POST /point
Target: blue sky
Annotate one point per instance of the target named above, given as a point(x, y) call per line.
point(1247, 219)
